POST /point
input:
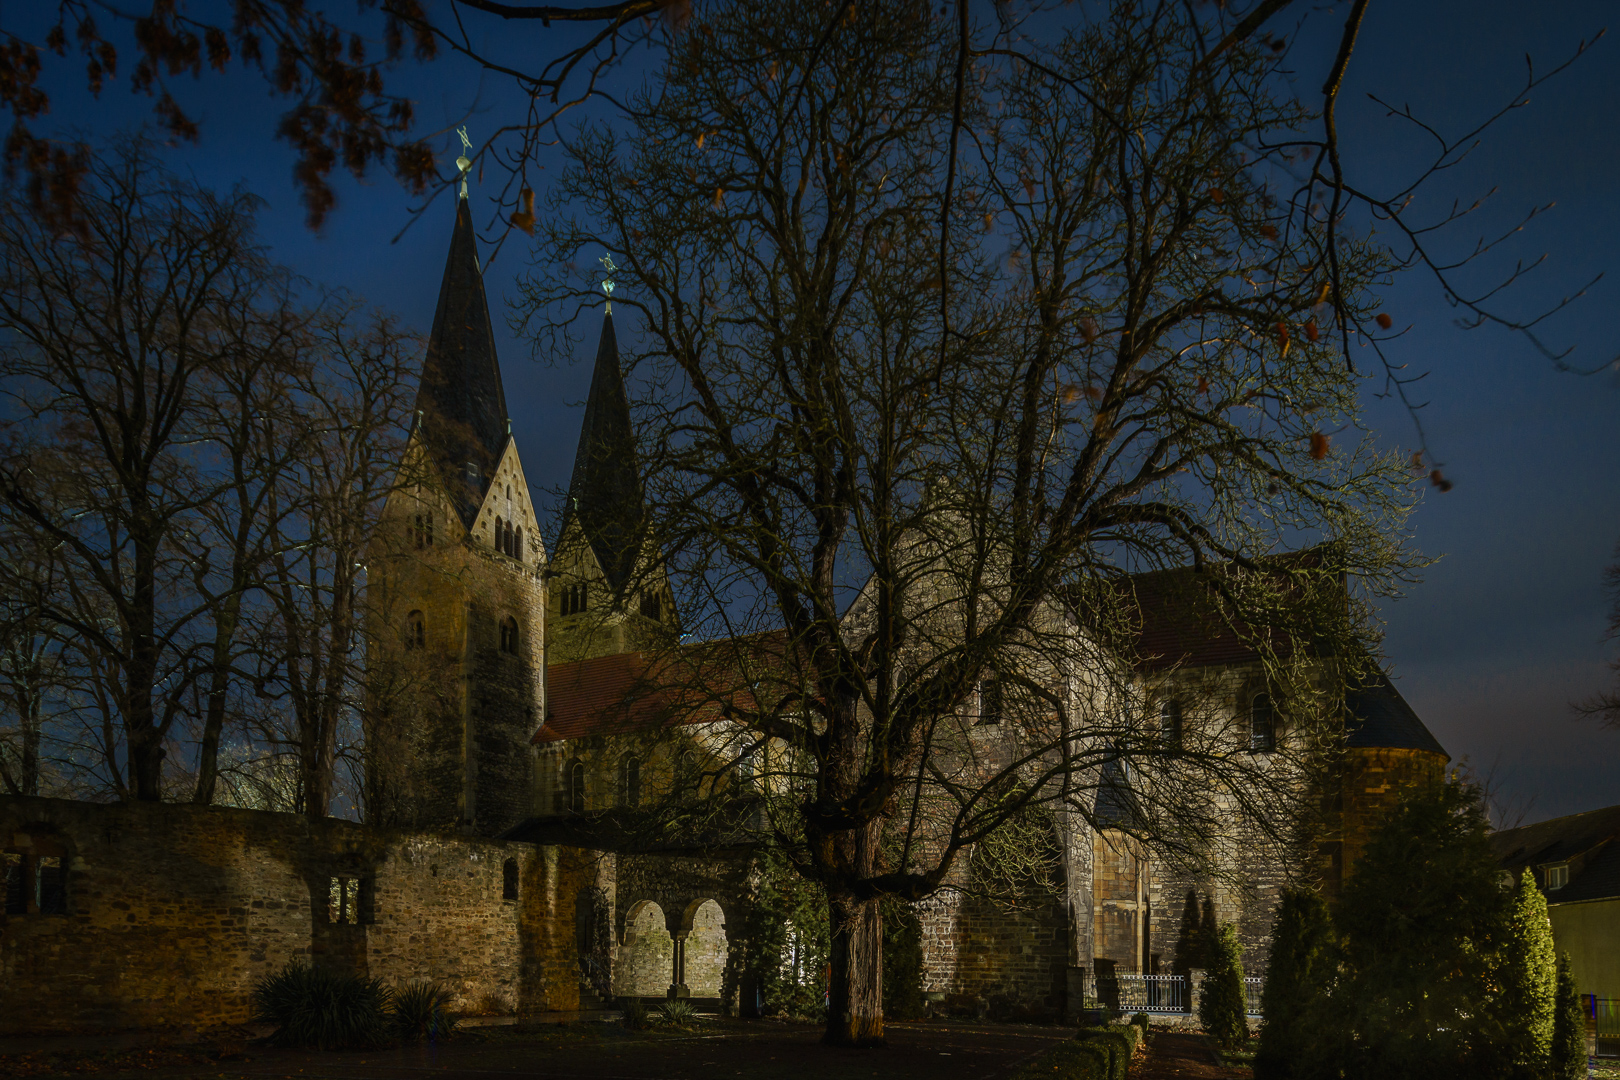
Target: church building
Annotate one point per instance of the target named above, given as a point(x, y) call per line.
point(507, 719)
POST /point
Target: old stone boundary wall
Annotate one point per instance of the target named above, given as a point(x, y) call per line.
point(173, 912)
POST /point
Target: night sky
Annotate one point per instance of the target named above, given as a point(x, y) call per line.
point(1505, 630)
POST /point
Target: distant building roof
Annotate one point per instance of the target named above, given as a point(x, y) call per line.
point(1589, 842)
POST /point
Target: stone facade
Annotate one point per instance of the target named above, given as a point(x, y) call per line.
point(173, 912)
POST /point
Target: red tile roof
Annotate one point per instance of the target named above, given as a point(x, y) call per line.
point(611, 695)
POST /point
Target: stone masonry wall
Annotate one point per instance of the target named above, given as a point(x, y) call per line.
point(1009, 964)
point(175, 911)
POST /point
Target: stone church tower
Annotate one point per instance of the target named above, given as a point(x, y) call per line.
point(609, 591)
point(456, 656)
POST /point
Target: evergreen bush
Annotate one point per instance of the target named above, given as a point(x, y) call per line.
point(1569, 1027)
point(315, 1008)
point(1222, 1009)
point(1529, 979)
point(1420, 924)
point(1302, 962)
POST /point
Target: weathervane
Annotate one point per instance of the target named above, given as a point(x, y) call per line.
point(607, 282)
point(464, 162)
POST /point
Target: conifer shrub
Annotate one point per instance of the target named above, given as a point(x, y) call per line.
point(1302, 963)
point(1529, 979)
point(319, 1009)
point(1420, 924)
point(1222, 1010)
point(1568, 1055)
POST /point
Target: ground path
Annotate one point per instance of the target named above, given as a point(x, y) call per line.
point(1182, 1056)
point(758, 1050)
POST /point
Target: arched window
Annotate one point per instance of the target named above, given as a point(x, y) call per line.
point(1170, 723)
point(629, 781)
point(509, 880)
point(511, 546)
point(517, 551)
point(745, 773)
point(499, 535)
point(651, 605)
point(422, 531)
point(1262, 724)
point(576, 787)
point(574, 599)
point(415, 631)
point(509, 635)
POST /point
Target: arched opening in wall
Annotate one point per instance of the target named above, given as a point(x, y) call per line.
point(499, 535)
point(645, 963)
point(415, 631)
point(652, 605)
point(1170, 723)
point(576, 786)
point(1262, 723)
point(509, 636)
point(517, 551)
point(706, 949)
point(629, 781)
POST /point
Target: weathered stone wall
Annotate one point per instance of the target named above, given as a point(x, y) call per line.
point(1008, 963)
point(175, 911)
point(457, 713)
point(1374, 781)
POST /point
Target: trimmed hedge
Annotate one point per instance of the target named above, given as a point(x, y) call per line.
point(1102, 1053)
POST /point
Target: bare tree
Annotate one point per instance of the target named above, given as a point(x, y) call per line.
point(345, 419)
point(1604, 706)
point(931, 480)
point(114, 338)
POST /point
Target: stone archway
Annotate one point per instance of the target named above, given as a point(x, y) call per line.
point(646, 955)
point(704, 949)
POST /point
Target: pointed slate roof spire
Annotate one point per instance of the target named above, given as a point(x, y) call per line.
point(461, 402)
point(604, 493)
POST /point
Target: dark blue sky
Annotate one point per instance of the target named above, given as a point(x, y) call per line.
point(1506, 629)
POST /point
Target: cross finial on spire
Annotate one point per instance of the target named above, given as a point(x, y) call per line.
point(607, 282)
point(463, 163)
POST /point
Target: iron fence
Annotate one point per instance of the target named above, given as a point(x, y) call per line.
point(1126, 994)
point(1605, 1014)
point(1141, 993)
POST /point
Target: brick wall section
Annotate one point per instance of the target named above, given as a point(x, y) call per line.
point(175, 911)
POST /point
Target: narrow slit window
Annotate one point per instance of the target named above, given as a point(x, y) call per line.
point(1170, 723)
point(990, 702)
point(576, 787)
point(415, 631)
point(1262, 724)
point(509, 880)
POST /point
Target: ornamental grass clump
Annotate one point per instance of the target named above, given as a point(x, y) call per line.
point(323, 1010)
point(677, 1012)
point(422, 1012)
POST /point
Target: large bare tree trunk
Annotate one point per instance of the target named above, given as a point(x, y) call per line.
point(855, 997)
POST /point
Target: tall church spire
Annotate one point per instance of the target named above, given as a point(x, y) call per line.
point(604, 493)
point(461, 403)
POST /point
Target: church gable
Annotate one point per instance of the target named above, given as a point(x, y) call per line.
point(507, 507)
